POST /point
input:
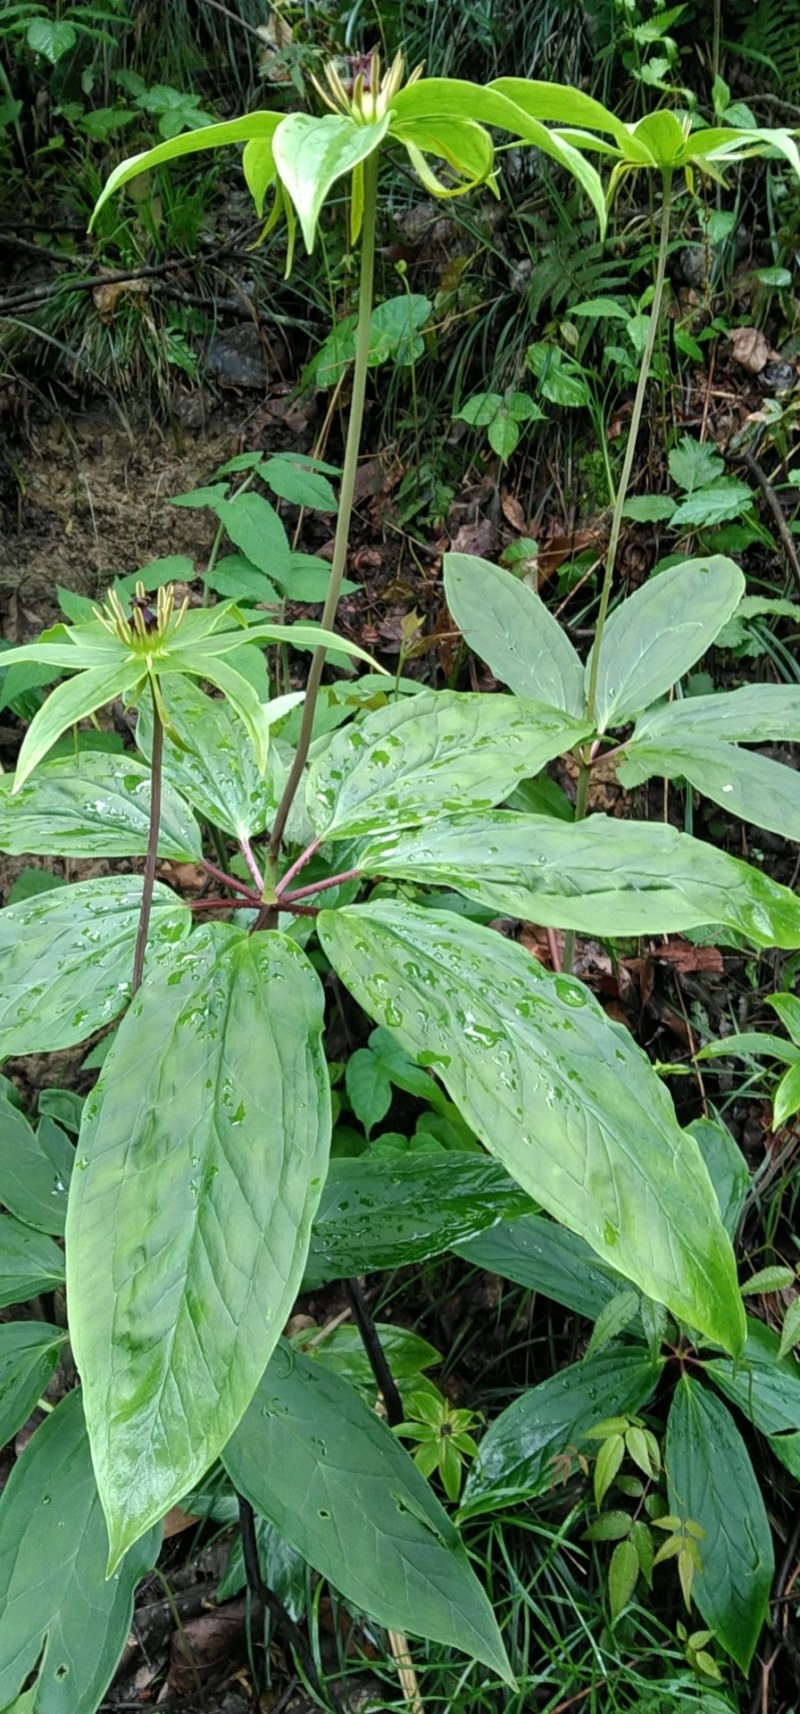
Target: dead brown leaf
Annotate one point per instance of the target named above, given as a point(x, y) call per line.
point(479, 537)
point(750, 349)
point(513, 513)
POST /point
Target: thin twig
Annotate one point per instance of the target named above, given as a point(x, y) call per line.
point(152, 849)
point(230, 881)
point(754, 469)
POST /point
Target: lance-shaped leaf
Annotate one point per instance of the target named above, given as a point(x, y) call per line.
point(311, 154)
point(67, 955)
point(766, 1388)
point(508, 625)
point(754, 714)
point(35, 1170)
point(29, 1351)
point(559, 1093)
point(57, 1612)
point(543, 1256)
point(599, 876)
point(381, 1213)
point(71, 702)
point(531, 1446)
point(751, 786)
point(251, 125)
point(30, 1262)
point(466, 147)
point(201, 1158)
point(660, 632)
point(441, 751)
point(93, 805)
point(560, 104)
point(214, 764)
point(712, 1483)
point(312, 1457)
point(445, 97)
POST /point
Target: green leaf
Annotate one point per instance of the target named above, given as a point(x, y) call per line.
point(754, 714)
point(649, 508)
point(607, 1463)
point(294, 482)
point(56, 1608)
point(380, 1213)
point(768, 1280)
point(35, 1171)
point(612, 1320)
point(29, 1352)
point(542, 1256)
point(561, 104)
point(503, 436)
point(93, 805)
point(311, 154)
point(786, 1100)
point(342, 1351)
point(412, 761)
point(753, 787)
point(51, 37)
point(559, 1093)
point(727, 1168)
point(658, 633)
point(316, 1461)
point(282, 1568)
point(707, 507)
point(203, 1150)
point(369, 1088)
point(71, 702)
point(67, 959)
point(30, 1263)
point(508, 625)
point(259, 125)
point(439, 97)
point(560, 377)
point(258, 166)
point(764, 1384)
point(601, 876)
point(215, 764)
point(787, 1007)
point(254, 526)
point(522, 1451)
point(790, 1332)
point(695, 464)
point(711, 1481)
point(623, 1576)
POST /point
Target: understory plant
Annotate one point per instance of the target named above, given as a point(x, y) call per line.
point(201, 1193)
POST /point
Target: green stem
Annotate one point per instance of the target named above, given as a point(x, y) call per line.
point(630, 450)
point(347, 491)
point(152, 847)
point(582, 793)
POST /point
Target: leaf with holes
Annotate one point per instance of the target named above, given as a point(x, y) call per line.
point(312, 1457)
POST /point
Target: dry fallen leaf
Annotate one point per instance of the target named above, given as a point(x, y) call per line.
point(750, 349)
point(513, 513)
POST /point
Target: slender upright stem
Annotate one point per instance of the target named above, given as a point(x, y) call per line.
point(584, 772)
point(152, 848)
point(376, 1355)
point(630, 450)
point(346, 495)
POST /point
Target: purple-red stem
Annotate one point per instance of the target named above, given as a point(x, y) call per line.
point(230, 881)
point(298, 864)
point(247, 853)
point(319, 887)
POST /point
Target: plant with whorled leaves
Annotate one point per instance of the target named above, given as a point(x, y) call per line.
point(202, 1196)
